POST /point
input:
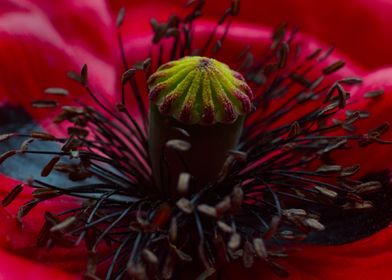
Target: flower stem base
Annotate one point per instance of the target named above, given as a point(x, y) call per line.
point(201, 150)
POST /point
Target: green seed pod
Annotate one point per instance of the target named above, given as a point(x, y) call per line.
point(199, 90)
point(208, 100)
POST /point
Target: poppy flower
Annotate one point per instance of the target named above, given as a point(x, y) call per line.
point(304, 192)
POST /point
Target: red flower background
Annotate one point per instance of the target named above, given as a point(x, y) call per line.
point(40, 40)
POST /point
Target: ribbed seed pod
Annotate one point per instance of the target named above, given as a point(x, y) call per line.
point(199, 90)
point(208, 100)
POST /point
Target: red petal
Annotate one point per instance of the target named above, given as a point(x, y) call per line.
point(14, 267)
point(36, 56)
point(354, 27)
point(20, 241)
point(87, 24)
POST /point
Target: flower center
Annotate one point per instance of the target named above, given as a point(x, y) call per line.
point(205, 100)
point(199, 90)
